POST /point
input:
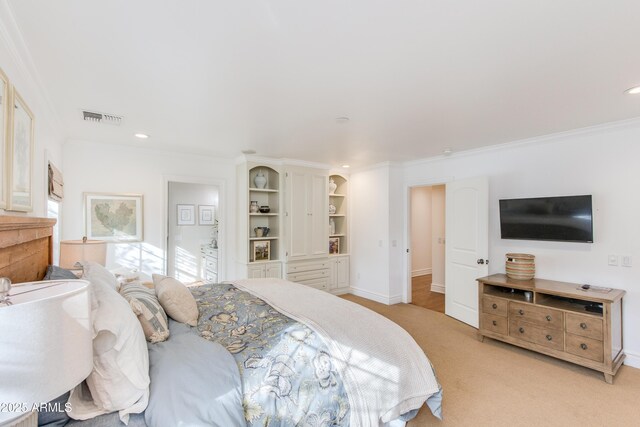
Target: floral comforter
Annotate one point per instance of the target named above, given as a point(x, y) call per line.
point(288, 376)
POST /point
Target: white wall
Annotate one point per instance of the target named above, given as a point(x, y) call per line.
point(92, 167)
point(602, 161)
point(438, 237)
point(16, 64)
point(184, 259)
point(421, 240)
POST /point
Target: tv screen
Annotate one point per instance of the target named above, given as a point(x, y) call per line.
point(565, 219)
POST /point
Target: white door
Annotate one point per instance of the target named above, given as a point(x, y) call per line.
point(255, 272)
point(467, 247)
point(319, 218)
point(298, 214)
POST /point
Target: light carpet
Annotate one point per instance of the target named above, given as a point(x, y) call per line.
point(495, 384)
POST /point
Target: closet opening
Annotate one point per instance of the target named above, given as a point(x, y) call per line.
point(427, 250)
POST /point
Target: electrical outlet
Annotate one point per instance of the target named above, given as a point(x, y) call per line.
point(613, 260)
point(626, 261)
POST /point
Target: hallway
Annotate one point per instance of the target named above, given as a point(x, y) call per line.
point(422, 296)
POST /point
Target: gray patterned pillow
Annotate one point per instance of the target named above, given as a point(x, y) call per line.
point(146, 306)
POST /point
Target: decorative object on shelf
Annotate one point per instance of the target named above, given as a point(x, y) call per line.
point(261, 231)
point(206, 214)
point(265, 209)
point(520, 266)
point(332, 209)
point(332, 226)
point(4, 131)
point(73, 251)
point(114, 217)
point(260, 180)
point(261, 250)
point(20, 159)
point(334, 245)
point(332, 186)
point(254, 208)
point(186, 214)
point(214, 234)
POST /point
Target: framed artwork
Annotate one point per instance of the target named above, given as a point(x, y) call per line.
point(334, 245)
point(261, 250)
point(186, 214)
point(113, 217)
point(20, 155)
point(206, 214)
point(4, 133)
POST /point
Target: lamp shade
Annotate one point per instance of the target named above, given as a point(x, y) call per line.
point(73, 251)
point(46, 341)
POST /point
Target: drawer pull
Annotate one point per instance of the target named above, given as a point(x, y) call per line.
point(548, 318)
point(521, 312)
point(494, 323)
point(494, 306)
point(583, 346)
point(549, 337)
point(583, 325)
point(521, 330)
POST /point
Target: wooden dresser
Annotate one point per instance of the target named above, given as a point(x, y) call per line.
point(552, 318)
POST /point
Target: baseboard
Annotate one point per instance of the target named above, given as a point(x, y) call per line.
point(632, 360)
point(436, 287)
point(420, 272)
point(374, 296)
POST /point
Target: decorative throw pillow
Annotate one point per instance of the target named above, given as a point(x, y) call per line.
point(120, 377)
point(57, 273)
point(146, 306)
point(94, 272)
point(176, 299)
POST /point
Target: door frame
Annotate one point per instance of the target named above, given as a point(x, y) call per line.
point(222, 207)
point(406, 291)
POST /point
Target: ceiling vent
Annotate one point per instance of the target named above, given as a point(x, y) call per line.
point(92, 116)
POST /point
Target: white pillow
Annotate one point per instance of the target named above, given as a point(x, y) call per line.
point(94, 272)
point(120, 377)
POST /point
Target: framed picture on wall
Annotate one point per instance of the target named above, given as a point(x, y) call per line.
point(113, 217)
point(334, 245)
point(206, 214)
point(261, 250)
point(20, 155)
point(186, 214)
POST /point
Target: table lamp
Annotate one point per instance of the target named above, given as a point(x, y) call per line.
point(73, 251)
point(45, 344)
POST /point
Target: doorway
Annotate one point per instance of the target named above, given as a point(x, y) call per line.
point(192, 231)
point(428, 240)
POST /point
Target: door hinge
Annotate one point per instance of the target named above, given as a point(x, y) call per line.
point(407, 250)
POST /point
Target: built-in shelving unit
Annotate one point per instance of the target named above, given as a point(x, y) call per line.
point(267, 196)
point(338, 199)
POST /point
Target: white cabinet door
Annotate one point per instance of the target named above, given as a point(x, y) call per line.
point(319, 218)
point(342, 272)
point(298, 215)
point(273, 271)
point(256, 272)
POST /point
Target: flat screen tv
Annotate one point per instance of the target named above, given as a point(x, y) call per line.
point(565, 219)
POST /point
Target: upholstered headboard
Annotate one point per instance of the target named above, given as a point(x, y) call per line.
point(25, 247)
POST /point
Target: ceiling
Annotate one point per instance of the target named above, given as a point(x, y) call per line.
point(413, 76)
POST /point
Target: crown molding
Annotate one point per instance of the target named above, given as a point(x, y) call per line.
point(14, 41)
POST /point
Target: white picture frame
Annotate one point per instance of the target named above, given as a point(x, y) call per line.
point(20, 155)
point(114, 217)
point(5, 117)
point(206, 214)
point(186, 214)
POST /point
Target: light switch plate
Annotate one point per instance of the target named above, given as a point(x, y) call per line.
point(626, 261)
point(613, 260)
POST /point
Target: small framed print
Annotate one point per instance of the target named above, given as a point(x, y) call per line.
point(334, 245)
point(206, 214)
point(261, 250)
point(186, 214)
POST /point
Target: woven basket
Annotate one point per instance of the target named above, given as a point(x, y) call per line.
point(520, 266)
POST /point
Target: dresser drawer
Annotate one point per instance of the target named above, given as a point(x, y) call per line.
point(585, 347)
point(585, 326)
point(541, 316)
point(307, 266)
point(547, 337)
point(322, 284)
point(497, 324)
point(496, 306)
point(308, 275)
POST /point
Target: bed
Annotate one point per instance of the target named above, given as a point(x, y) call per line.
point(305, 357)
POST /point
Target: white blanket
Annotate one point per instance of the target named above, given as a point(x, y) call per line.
point(384, 371)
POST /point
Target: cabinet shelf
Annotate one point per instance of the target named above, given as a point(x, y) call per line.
point(264, 238)
point(264, 214)
point(337, 235)
point(262, 190)
point(337, 195)
point(336, 215)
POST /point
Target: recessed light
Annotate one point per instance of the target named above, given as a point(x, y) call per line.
point(447, 151)
point(346, 166)
point(342, 120)
point(249, 151)
point(141, 135)
point(633, 91)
